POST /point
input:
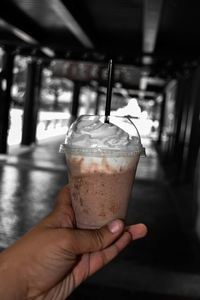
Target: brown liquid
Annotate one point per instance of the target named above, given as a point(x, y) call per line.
point(98, 197)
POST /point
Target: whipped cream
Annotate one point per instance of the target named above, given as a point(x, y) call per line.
point(95, 134)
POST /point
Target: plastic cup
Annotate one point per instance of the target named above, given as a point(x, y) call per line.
point(101, 178)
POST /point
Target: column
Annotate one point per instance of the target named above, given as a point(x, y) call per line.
point(31, 104)
point(6, 78)
point(98, 94)
point(192, 134)
point(161, 123)
point(75, 101)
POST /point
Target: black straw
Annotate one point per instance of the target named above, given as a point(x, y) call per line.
point(109, 90)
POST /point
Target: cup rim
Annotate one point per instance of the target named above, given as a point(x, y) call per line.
point(99, 152)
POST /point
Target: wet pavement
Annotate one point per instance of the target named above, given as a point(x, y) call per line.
point(29, 185)
point(166, 262)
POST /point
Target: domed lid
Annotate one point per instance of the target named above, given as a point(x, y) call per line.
point(90, 135)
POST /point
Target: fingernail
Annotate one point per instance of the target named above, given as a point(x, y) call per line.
point(115, 226)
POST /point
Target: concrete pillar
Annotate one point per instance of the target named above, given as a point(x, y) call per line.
point(75, 101)
point(6, 78)
point(31, 104)
point(97, 103)
point(192, 133)
point(161, 123)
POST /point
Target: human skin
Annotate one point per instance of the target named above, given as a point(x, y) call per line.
point(53, 258)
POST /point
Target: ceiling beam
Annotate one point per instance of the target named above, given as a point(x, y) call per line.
point(71, 24)
point(145, 93)
point(26, 37)
point(151, 20)
point(146, 80)
point(22, 35)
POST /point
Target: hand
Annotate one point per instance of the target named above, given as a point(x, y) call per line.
point(51, 260)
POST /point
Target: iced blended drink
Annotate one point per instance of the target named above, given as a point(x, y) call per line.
point(102, 160)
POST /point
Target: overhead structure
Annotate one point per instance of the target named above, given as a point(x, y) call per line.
point(160, 37)
point(71, 24)
point(151, 20)
point(21, 34)
point(26, 37)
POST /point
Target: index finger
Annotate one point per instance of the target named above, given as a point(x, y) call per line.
point(101, 258)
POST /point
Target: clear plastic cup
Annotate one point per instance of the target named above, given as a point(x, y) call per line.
point(101, 175)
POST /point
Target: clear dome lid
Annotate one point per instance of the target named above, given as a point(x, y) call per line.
point(91, 135)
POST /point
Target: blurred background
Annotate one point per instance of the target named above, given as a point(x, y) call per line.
point(53, 68)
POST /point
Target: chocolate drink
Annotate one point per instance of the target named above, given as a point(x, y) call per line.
point(102, 161)
point(100, 196)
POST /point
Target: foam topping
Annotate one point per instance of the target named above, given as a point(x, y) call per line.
point(92, 133)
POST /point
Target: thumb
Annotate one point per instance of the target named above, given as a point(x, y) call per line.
point(84, 240)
